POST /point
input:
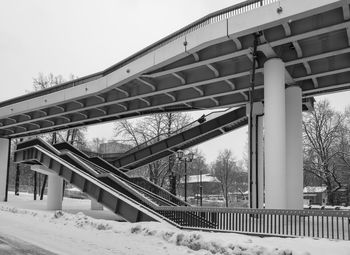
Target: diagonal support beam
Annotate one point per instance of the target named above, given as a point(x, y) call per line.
point(180, 77)
point(35, 125)
point(145, 100)
point(23, 128)
point(287, 30)
point(65, 118)
point(245, 96)
point(86, 116)
point(307, 67)
point(123, 106)
point(297, 49)
point(101, 98)
point(199, 91)
point(101, 110)
point(195, 56)
point(81, 104)
point(42, 111)
point(217, 103)
point(188, 105)
point(59, 107)
point(237, 43)
point(231, 84)
point(214, 70)
point(147, 83)
point(27, 116)
point(10, 130)
point(171, 96)
point(122, 91)
point(12, 119)
point(52, 123)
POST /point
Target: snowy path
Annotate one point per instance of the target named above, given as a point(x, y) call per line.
point(65, 233)
point(13, 246)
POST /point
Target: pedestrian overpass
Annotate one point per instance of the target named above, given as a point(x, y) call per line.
point(267, 55)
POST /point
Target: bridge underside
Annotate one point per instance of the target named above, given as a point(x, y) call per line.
point(205, 66)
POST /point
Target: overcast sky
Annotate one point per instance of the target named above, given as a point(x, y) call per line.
point(81, 37)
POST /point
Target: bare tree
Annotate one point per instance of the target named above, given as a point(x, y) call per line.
point(74, 136)
point(225, 169)
point(323, 136)
point(149, 130)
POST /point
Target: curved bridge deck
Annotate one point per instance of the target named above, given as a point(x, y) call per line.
point(203, 66)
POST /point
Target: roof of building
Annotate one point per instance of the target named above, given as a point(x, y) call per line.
point(196, 179)
point(314, 189)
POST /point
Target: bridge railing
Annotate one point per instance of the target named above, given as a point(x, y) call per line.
point(308, 223)
point(207, 20)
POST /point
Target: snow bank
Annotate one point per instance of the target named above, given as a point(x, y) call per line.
point(202, 241)
point(65, 233)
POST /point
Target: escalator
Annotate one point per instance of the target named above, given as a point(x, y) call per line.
point(133, 198)
point(110, 188)
point(136, 182)
point(204, 129)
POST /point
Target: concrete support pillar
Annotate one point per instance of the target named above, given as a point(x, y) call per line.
point(54, 193)
point(275, 134)
point(255, 180)
point(4, 163)
point(96, 205)
point(294, 148)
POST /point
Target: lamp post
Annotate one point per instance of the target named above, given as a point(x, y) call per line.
point(185, 158)
point(200, 188)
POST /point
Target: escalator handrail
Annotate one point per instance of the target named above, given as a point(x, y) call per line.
point(117, 171)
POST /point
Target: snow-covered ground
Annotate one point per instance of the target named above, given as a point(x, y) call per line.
point(73, 232)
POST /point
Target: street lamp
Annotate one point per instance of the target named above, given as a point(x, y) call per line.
point(200, 188)
point(185, 158)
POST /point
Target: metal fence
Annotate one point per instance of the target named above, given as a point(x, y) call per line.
point(309, 223)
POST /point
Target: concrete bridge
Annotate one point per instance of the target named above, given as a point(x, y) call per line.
point(267, 54)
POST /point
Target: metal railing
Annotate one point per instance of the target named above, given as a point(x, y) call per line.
point(308, 223)
point(207, 20)
point(146, 184)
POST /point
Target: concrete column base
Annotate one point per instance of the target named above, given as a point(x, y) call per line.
point(4, 156)
point(96, 206)
point(54, 194)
